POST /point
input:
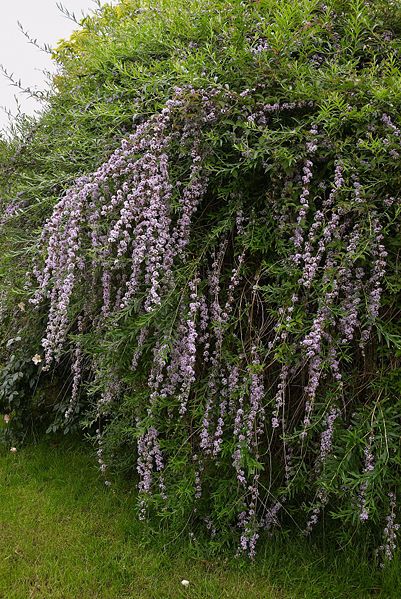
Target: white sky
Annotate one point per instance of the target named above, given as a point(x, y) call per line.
point(44, 22)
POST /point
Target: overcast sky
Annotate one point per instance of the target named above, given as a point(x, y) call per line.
point(44, 21)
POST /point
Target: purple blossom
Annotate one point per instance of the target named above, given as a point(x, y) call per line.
point(389, 545)
point(304, 207)
point(368, 467)
point(135, 184)
point(77, 375)
point(326, 439)
point(149, 458)
point(279, 400)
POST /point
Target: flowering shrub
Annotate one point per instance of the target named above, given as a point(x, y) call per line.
point(225, 285)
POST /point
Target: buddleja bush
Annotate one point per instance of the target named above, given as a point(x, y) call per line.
point(225, 285)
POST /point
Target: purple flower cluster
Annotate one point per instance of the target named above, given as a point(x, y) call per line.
point(309, 257)
point(326, 439)
point(270, 519)
point(368, 467)
point(149, 457)
point(307, 175)
point(248, 521)
point(389, 545)
point(100, 457)
point(123, 211)
point(261, 46)
point(375, 283)
point(279, 400)
point(77, 374)
point(180, 372)
point(255, 416)
point(322, 499)
point(352, 285)
point(261, 114)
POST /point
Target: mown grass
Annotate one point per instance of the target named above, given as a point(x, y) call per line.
point(63, 535)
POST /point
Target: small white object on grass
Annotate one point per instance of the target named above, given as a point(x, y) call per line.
point(185, 583)
point(13, 450)
point(36, 359)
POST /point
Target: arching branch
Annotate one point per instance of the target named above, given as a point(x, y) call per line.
point(46, 48)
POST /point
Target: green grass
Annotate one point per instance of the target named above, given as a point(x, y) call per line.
point(63, 535)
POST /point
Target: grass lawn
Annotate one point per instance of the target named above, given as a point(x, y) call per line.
point(63, 535)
